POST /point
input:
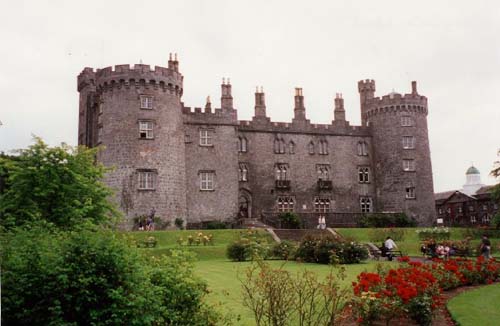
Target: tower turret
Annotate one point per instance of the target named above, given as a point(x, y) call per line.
point(139, 123)
point(401, 154)
point(366, 90)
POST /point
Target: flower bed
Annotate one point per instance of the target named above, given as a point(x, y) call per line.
point(414, 289)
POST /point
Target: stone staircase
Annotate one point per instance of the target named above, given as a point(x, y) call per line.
point(253, 223)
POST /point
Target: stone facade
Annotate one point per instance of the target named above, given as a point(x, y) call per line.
point(205, 164)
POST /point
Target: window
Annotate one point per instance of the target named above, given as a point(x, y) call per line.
point(473, 219)
point(448, 210)
point(291, 147)
point(285, 204)
point(408, 142)
point(310, 147)
point(486, 219)
point(279, 145)
point(460, 210)
point(243, 172)
point(485, 207)
point(146, 129)
point(323, 147)
point(408, 165)
point(205, 137)
point(321, 205)
point(146, 102)
point(365, 204)
point(323, 171)
point(406, 121)
point(99, 134)
point(440, 211)
point(207, 180)
point(363, 174)
point(410, 192)
point(362, 148)
point(281, 171)
point(242, 144)
point(471, 208)
point(146, 180)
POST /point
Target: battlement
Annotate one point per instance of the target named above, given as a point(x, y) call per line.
point(366, 85)
point(197, 115)
point(395, 102)
point(308, 128)
point(138, 75)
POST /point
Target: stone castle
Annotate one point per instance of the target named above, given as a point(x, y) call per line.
point(205, 164)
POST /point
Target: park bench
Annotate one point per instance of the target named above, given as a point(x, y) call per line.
point(376, 253)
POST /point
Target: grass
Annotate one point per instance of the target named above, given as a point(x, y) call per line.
point(411, 243)
point(225, 288)
point(476, 307)
point(168, 240)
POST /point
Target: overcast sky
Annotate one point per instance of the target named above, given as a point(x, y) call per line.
point(452, 48)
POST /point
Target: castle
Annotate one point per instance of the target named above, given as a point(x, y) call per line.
point(205, 164)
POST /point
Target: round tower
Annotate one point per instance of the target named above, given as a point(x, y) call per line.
point(401, 154)
point(138, 121)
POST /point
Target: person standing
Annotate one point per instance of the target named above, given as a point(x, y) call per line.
point(390, 245)
point(485, 247)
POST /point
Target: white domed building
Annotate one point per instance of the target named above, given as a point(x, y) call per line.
point(471, 205)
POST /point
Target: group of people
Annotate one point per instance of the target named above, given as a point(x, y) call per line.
point(321, 223)
point(148, 224)
point(445, 250)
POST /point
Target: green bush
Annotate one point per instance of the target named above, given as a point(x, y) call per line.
point(326, 250)
point(179, 223)
point(93, 277)
point(236, 251)
point(284, 250)
point(378, 220)
point(215, 225)
point(290, 220)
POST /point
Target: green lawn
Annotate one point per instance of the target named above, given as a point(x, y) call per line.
point(167, 240)
point(225, 288)
point(411, 243)
point(477, 307)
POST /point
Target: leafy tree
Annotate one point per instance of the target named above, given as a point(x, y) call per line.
point(496, 192)
point(61, 185)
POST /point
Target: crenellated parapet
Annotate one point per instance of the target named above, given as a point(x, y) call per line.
point(310, 128)
point(394, 103)
point(138, 76)
point(217, 116)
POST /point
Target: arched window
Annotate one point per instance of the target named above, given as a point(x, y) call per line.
point(282, 146)
point(279, 145)
point(362, 148)
point(242, 144)
point(243, 172)
point(323, 147)
point(310, 147)
point(291, 147)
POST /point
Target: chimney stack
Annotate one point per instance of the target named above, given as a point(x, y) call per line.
point(226, 98)
point(299, 110)
point(260, 102)
point(414, 88)
point(339, 112)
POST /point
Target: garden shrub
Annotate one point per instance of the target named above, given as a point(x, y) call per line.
point(179, 223)
point(93, 277)
point(436, 233)
point(284, 250)
point(326, 250)
point(215, 225)
point(289, 220)
point(247, 249)
point(376, 220)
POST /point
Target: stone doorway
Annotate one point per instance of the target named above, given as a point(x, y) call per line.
point(244, 204)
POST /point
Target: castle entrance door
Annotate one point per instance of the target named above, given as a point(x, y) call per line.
point(245, 205)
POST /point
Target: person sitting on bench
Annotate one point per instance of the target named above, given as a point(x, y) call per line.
point(389, 245)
